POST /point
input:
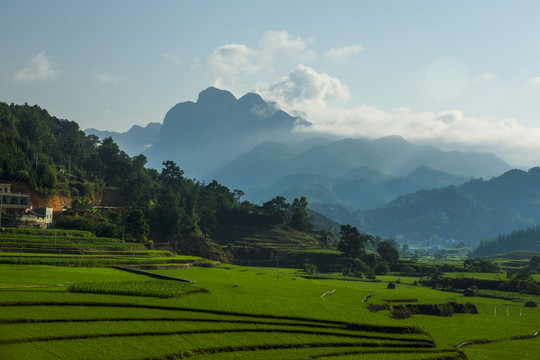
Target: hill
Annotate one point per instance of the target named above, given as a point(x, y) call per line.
point(52, 157)
point(520, 240)
point(361, 188)
point(208, 133)
point(135, 140)
point(475, 210)
point(391, 155)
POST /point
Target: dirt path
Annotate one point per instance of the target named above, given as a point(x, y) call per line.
point(488, 341)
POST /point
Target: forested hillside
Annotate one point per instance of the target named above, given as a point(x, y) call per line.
point(54, 157)
point(521, 240)
point(476, 210)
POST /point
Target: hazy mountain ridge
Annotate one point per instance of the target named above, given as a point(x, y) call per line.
point(521, 240)
point(250, 144)
point(358, 173)
point(135, 140)
point(391, 155)
point(204, 135)
point(473, 211)
point(362, 188)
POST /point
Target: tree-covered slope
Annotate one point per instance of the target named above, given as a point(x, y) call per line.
point(520, 240)
point(135, 140)
point(53, 156)
point(475, 210)
point(390, 155)
point(361, 188)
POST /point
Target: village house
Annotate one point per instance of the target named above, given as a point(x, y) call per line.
point(16, 210)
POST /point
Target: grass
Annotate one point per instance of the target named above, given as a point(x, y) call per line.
point(279, 238)
point(77, 248)
point(249, 313)
point(505, 295)
point(155, 288)
point(47, 232)
point(481, 276)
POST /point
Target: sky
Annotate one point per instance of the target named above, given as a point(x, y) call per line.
point(461, 75)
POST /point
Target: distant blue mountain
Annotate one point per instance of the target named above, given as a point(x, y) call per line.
point(135, 140)
point(266, 163)
point(205, 135)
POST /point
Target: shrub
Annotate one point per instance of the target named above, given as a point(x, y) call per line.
point(400, 313)
point(381, 268)
point(310, 269)
point(408, 270)
point(152, 288)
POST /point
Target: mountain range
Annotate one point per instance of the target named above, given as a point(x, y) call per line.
point(361, 188)
point(135, 140)
point(473, 211)
point(204, 135)
point(249, 142)
point(385, 186)
point(349, 164)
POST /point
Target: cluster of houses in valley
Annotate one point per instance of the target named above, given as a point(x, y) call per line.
point(17, 211)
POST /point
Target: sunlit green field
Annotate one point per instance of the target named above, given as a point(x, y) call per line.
point(248, 313)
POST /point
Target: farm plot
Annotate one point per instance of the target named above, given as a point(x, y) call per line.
point(249, 313)
point(188, 332)
point(77, 248)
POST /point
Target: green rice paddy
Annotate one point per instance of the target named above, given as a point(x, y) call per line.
point(248, 313)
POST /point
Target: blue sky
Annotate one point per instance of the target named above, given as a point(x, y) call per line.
point(458, 75)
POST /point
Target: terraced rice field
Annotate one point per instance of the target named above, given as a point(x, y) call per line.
point(248, 313)
point(77, 248)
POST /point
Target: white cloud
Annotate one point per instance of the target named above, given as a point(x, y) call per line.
point(532, 85)
point(106, 78)
point(305, 85)
point(320, 97)
point(39, 69)
point(342, 53)
point(507, 138)
point(281, 43)
point(233, 59)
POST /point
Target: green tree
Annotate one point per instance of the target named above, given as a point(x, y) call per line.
point(381, 268)
point(324, 237)
point(352, 242)
point(534, 264)
point(169, 212)
point(277, 210)
point(481, 265)
point(171, 176)
point(404, 249)
point(138, 185)
point(388, 251)
point(299, 215)
point(136, 228)
point(310, 269)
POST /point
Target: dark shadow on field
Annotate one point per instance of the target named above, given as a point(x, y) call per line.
point(453, 354)
point(369, 337)
point(352, 326)
point(403, 342)
point(37, 290)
